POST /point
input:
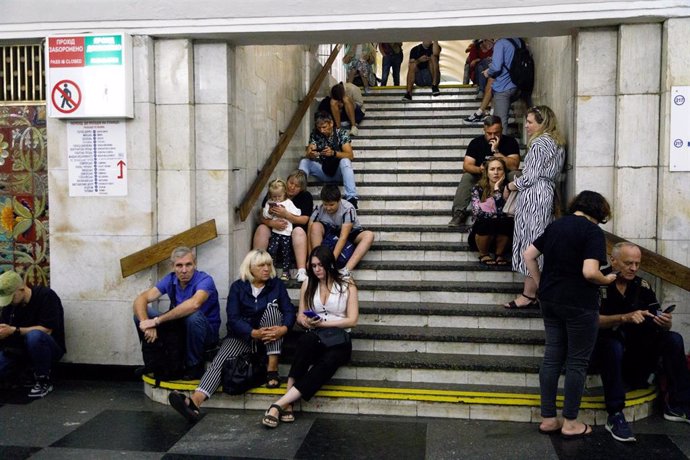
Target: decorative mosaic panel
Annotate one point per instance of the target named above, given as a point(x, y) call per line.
point(24, 193)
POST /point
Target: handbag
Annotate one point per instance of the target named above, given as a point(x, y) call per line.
point(511, 202)
point(332, 336)
point(244, 372)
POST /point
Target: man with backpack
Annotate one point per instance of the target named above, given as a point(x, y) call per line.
point(194, 314)
point(512, 70)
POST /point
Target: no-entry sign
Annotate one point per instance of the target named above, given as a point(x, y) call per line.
point(90, 76)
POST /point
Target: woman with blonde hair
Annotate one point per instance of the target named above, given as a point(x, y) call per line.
point(259, 312)
point(534, 209)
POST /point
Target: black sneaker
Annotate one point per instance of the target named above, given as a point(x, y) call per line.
point(474, 118)
point(435, 91)
point(676, 414)
point(41, 388)
point(353, 202)
point(407, 97)
point(619, 429)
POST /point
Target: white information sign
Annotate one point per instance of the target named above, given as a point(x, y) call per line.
point(97, 158)
point(679, 139)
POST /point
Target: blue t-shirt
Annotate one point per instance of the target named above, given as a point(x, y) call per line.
point(200, 282)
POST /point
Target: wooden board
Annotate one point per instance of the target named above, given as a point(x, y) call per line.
point(161, 251)
point(656, 264)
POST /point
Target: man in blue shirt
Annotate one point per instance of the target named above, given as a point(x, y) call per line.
point(193, 299)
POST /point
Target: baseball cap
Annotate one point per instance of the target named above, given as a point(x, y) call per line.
point(9, 283)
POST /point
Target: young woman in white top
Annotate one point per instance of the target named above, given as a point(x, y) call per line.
point(335, 302)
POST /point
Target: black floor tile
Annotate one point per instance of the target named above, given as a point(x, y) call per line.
point(600, 445)
point(128, 430)
point(333, 438)
point(17, 452)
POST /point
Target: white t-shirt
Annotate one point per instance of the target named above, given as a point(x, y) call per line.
point(291, 208)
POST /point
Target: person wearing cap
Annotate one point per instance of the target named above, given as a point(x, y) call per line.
point(193, 299)
point(32, 331)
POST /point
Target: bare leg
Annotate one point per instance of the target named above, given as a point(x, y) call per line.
point(299, 246)
point(487, 95)
point(261, 236)
point(198, 398)
point(349, 105)
point(363, 243)
point(411, 70)
point(272, 362)
point(501, 244)
point(434, 69)
point(290, 396)
point(483, 243)
point(335, 111)
point(315, 235)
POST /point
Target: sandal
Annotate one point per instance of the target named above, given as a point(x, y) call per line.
point(184, 406)
point(272, 379)
point(500, 260)
point(486, 259)
point(287, 415)
point(534, 303)
point(271, 421)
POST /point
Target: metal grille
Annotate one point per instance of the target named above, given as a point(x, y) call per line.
point(22, 73)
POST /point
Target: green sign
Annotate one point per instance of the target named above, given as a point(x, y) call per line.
point(104, 50)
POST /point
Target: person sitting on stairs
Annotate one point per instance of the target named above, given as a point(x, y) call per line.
point(423, 68)
point(493, 144)
point(345, 103)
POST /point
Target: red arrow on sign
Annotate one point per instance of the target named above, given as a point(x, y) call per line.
point(121, 164)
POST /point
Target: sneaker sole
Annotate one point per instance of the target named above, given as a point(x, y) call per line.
point(675, 418)
point(633, 439)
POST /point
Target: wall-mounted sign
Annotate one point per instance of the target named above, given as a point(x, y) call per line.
point(90, 76)
point(97, 160)
point(679, 139)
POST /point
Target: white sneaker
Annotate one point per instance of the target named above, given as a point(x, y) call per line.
point(354, 131)
point(301, 275)
point(41, 388)
point(347, 274)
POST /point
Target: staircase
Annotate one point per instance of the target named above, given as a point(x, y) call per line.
point(432, 338)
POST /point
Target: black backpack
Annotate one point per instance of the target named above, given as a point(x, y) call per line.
point(165, 357)
point(522, 68)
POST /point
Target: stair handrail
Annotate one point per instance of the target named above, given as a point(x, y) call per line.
point(247, 203)
point(656, 264)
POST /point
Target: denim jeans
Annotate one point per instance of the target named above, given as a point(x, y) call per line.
point(41, 350)
point(200, 336)
point(479, 77)
point(344, 174)
point(622, 364)
point(571, 333)
point(393, 61)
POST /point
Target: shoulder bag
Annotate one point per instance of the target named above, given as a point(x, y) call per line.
point(332, 336)
point(243, 372)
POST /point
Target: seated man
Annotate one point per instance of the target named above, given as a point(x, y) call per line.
point(633, 335)
point(423, 68)
point(345, 102)
point(335, 224)
point(193, 299)
point(493, 144)
point(32, 331)
point(329, 156)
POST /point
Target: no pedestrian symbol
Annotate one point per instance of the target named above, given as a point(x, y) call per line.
point(66, 96)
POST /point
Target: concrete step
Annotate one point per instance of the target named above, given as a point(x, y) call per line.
point(370, 152)
point(405, 177)
point(460, 130)
point(471, 271)
point(375, 119)
point(392, 187)
point(429, 202)
point(393, 164)
point(419, 251)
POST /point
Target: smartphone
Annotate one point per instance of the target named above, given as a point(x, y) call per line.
point(670, 308)
point(311, 314)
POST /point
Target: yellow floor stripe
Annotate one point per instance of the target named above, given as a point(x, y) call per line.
point(633, 398)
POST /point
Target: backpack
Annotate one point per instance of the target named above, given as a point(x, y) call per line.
point(522, 68)
point(165, 357)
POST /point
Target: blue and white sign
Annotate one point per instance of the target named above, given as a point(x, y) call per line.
point(679, 137)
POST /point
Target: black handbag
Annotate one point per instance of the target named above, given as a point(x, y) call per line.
point(244, 372)
point(332, 336)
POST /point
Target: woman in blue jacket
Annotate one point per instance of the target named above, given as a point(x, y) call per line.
point(259, 309)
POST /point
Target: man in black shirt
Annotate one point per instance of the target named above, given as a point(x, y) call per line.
point(32, 330)
point(633, 334)
point(423, 68)
point(493, 144)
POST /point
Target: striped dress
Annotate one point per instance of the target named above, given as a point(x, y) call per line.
point(534, 207)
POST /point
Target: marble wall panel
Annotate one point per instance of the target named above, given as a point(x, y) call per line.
point(636, 211)
point(639, 58)
point(597, 51)
point(141, 137)
point(213, 131)
point(176, 201)
point(174, 71)
point(637, 130)
point(143, 69)
point(211, 77)
point(594, 131)
point(175, 136)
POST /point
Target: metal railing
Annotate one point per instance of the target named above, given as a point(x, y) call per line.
point(22, 73)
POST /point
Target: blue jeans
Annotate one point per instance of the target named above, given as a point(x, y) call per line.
point(571, 333)
point(479, 77)
point(41, 350)
point(622, 363)
point(200, 336)
point(344, 174)
point(502, 103)
point(393, 61)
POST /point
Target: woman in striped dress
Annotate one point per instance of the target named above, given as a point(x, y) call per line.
point(537, 186)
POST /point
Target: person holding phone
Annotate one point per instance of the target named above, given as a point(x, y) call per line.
point(327, 301)
point(634, 332)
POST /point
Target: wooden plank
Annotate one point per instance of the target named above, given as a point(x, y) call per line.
point(655, 264)
point(161, 251)
point(261, 180)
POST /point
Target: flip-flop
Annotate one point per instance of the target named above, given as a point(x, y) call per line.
point(486, 260)
point(184, 406)
point(271, 377)
point(579, 435)
point(549, 432)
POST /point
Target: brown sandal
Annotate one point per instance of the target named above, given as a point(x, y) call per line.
point(486, 259)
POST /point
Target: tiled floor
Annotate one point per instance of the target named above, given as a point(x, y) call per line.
point(103, 420)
